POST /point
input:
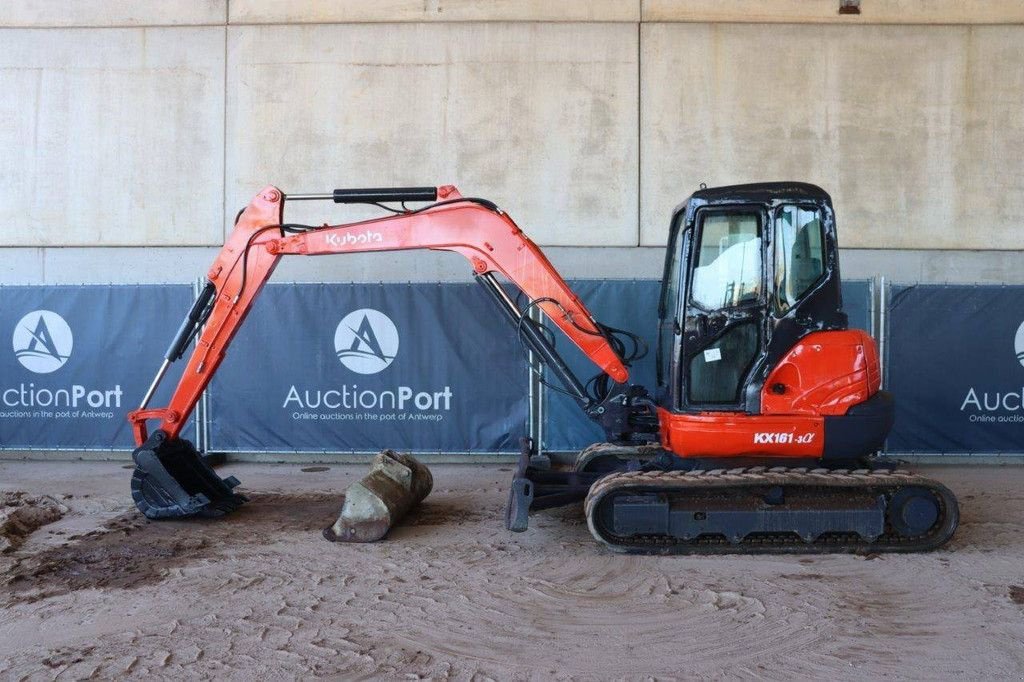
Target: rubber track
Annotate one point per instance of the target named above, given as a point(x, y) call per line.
point(679, 482)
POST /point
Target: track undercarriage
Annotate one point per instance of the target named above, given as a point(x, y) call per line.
point(640, 500)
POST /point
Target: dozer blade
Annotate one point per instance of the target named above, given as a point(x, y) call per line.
point(172, 480)
point(395, 484)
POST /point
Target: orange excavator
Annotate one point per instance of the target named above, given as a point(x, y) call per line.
point(762, 431)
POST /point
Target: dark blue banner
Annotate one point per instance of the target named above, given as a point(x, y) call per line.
point(633, 305)
point(857, 297)
point(954, 358)
point(80, 358)
point(361, 367)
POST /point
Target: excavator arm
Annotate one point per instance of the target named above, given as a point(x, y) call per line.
point(474, 228)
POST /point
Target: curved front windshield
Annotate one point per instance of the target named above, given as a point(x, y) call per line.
point(727, 271)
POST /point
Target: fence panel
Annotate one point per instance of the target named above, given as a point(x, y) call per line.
point(360, 367)
point(858, 296)
point(81, 358)
point(954, 356)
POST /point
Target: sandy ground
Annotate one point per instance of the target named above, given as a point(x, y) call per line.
point(102, 592)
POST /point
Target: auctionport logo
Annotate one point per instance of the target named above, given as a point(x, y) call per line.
point(42, 341)
point(366, 341)
point(986, 406)
point(1018, 343)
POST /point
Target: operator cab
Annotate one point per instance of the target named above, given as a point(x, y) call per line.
point(749, 271)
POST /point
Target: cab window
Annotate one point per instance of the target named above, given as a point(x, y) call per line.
point(670, 284)
point(669, 304)
point(799, 254)
point(727, 272)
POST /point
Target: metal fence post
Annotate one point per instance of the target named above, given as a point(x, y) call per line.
point(883, 328)
point(535, 425)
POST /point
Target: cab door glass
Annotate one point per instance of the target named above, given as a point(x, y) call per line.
point(723, 337)
point(728, 267)
point(717, 372)
point(799, 254)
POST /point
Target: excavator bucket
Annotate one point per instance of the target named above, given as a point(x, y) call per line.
point(172, 480)
point(396, 483)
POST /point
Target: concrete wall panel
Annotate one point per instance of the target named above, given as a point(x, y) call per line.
point(340, 11)
point(44, 13)
point(541, 118)
point(111, 136)
point(916, 131)
point(22, 266)
point(120, 265)
point(827, 11)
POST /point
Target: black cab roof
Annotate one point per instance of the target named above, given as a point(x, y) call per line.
point(757, 193)
point(762, 192)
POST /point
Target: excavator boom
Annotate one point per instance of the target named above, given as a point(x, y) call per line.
point(474, 228)
point(489, 239)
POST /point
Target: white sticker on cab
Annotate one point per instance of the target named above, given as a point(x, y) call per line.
point(712, 355)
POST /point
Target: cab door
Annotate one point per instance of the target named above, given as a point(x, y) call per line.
point(723, 330)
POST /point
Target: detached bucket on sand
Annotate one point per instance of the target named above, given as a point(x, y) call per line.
point(396, 483)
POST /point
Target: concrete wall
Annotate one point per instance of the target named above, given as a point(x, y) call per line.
point(917, 131)
point(538, 117)
point(111, 136)
point(135, 130)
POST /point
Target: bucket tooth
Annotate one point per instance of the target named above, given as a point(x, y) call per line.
point(172, 480)
point(396, 482)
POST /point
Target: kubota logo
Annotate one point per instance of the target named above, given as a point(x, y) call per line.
point(352, 239)
point(1018, 343)
point(366, 341)
point(42, 341)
